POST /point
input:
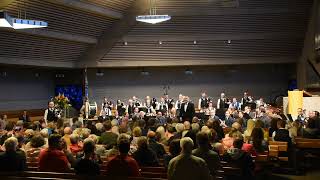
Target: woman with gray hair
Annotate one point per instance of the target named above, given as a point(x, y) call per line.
point(11, 159)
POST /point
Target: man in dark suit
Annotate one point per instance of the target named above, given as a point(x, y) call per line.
point(187, 111)
point(25, 118)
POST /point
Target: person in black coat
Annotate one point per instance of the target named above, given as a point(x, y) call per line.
point(12, 159)
point(187, 111)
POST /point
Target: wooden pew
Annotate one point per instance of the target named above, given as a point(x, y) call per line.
point(304, 143)
point(153, 169)
point(53, 175)
point(275, 147)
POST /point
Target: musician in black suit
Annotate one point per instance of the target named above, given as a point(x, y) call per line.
point(130, 107)
point(187, 110)
point(178, 105)
point(25, 118)
point(136, 102)
point(223, 102)
point(169, 101)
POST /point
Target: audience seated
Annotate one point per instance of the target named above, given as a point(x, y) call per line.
point(67, 132)
point(119, 147)
point(240, 159)
point(154, 145)
point(203, 151)
point(108, 138)
point(257, 140)
point(123, 165)
point(35, 145)
point(174, 150)
point(144, 155)
point(74, 146)
point(250, 127)
point(88, 164)
point(273, 126)
point(170, 134)
point(187, 166)
point(11, 159)
point(136, 133)
point(215, 124)
point(161, 135)
point(53, 159)
point(311, 131)
point(282, 134)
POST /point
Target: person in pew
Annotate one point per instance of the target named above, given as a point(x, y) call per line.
point(282, 134)
point(34, 147)
point(75, 146)
point(53, 159)
point(229, 120)
point(311, 131)
point(3, 121)
point(11, 159)
point(170, 130)
point(215, 124)
point(154, 145)
point(273, 126)
point(25, 117)
point(87, 165)
point(203, 151)
point(257, 140)
point(240, 159)
point(67, 131)
point(187, 166)
point(174, 150)
point(179, 129)
point(123, 165)
point(144, 155)
point(108, 138)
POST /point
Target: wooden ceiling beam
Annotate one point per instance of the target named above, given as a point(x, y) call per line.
point(89, 8)
point(57, 35)
point(5, 3)
point(231, 11)
point(209, 37)
point(195, 62)
point(32, 62)
point(112, 36)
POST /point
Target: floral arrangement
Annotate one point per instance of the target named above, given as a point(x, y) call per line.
point(61, 101)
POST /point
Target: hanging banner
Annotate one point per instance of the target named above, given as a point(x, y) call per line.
point(295, 101)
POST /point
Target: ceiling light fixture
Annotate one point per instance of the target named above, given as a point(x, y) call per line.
point(188, 71)
point(145, 73)
point(28, 24)
point(18, 23)
point(153, 18)
point(5, 19)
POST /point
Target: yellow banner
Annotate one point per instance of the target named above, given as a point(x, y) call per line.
point(295, 101)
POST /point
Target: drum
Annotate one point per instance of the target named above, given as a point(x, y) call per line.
point(93, 109)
